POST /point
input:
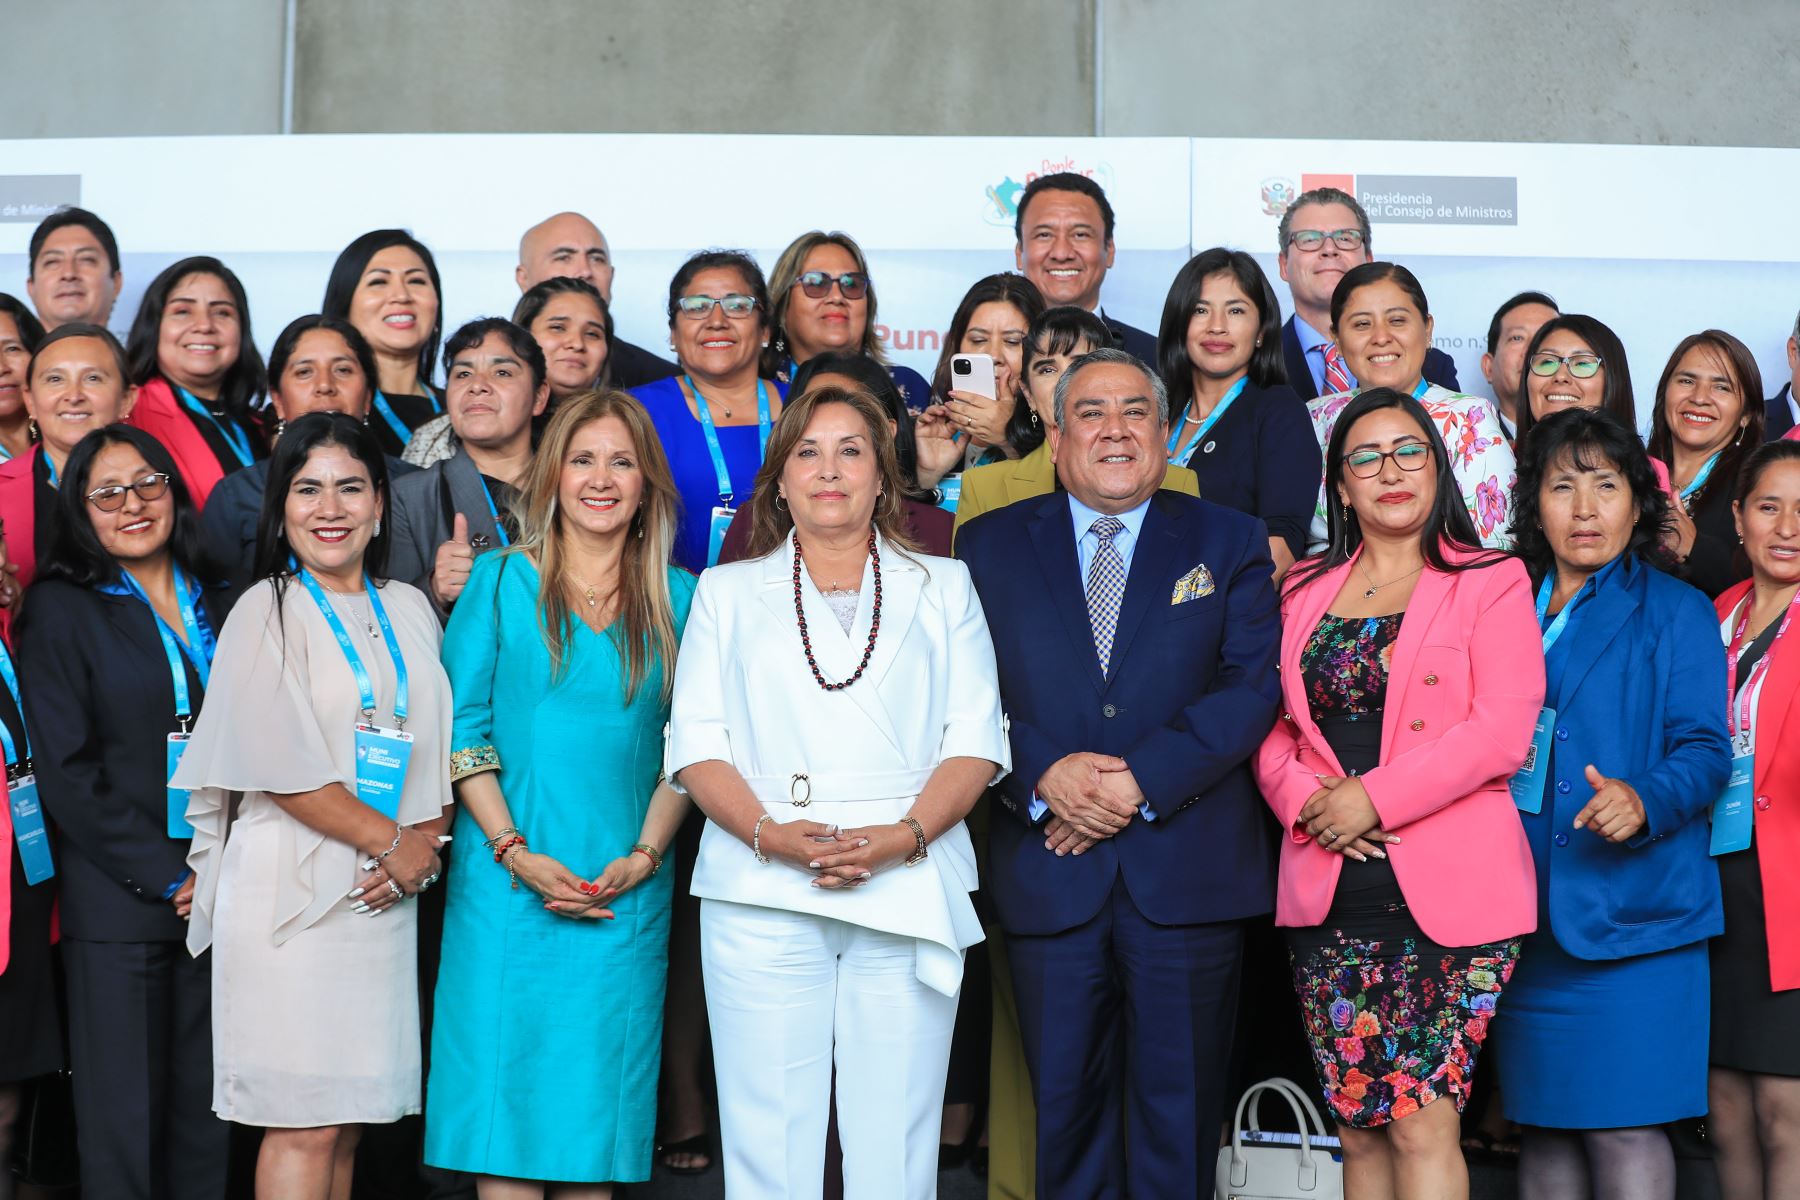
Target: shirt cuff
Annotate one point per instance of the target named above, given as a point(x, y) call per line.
point(169, 892)
point(1036, 809)
point(1146, 812)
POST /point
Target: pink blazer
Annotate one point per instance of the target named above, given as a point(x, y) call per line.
point(1464, 689)
point(18, 519)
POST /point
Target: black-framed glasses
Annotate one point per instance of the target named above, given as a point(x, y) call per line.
point(1367, 464)
point(817, 284)
point(112, 499)
point(698, 308)
point(1308, 240)
point(1584, 364)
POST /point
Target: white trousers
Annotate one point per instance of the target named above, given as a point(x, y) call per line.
point(787, 991)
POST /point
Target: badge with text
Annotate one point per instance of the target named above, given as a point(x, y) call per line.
point(1734, 812)
point(1527, 784)
point(715, 537)
point(381, 759)
point(178, 797)
point(28, 829)
point(949, 493)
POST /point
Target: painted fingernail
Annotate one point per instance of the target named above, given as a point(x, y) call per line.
point(378, 912)
point(608, 917)
point(814, 865)
point(553, 906)
point(357, 892)
point(861, 842)
point(360, 908)
point(1378, 852)
point(612, 891)
point(865, 875)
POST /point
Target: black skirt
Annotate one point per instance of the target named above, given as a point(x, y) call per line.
point(30, 1038)
point(1752, 1024)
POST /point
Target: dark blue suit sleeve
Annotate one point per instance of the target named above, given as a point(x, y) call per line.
point(1287, 477)
point(1221, 730)
point(1032, 752)
point(1440, 369)
point(1696, 751)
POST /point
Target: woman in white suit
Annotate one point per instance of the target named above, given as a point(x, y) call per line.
point(836, 713)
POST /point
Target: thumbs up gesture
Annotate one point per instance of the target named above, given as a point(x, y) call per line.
point(1615, 813)
point(450, 574)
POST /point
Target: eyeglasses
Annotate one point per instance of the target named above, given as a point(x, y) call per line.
point(1583, 365)
point(112, 499)
point(1367, 464)
point(698, 308)
point(817, 284)
point(1308, 240)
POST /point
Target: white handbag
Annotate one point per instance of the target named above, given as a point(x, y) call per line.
point(1276, 1166)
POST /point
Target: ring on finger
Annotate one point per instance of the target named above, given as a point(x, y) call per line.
point(1331, 835)
point(395, 888)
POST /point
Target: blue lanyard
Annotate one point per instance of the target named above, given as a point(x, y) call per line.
point(1559, 626)
point(234, 437)
point(12, 685)
point(364, 687)
point(196, 648)
point(1182, 458)
point(1419, 392)
point(493, 510)
point(400, 428)
point(763, 423)
point(49, 464)
point(1700, 478)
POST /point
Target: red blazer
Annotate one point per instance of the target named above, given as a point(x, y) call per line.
point(160, 414)
point(1777, 800)
point(1464, 689)
point(18, 513)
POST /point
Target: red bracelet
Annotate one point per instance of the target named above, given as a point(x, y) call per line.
point(508, 844)
point(650, 853)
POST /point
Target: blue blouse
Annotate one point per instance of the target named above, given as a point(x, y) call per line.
point(685, 444)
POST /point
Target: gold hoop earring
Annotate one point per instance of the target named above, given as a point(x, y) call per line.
point(31, 429)
point(780, 501)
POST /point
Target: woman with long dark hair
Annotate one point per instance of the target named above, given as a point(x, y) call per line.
point(386, 284)
point(1574, 361)
point(1411, 681)
point(1232, 418)
point(318, 783)
point(199, 377)
point(118, 639)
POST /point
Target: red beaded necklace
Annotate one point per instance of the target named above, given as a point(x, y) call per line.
point(874, 623)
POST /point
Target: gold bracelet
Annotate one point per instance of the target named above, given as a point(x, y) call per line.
point(650, 852)
point(918, 832)
point(756, 840)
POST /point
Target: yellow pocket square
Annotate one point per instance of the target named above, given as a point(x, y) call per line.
point(1195, 584)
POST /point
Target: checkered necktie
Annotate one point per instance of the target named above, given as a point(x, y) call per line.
point(1105, 588)
point(1337, 375)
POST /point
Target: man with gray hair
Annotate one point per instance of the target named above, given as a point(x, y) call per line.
point(1136, 656)
point(1784, 406)
point(1322, 235)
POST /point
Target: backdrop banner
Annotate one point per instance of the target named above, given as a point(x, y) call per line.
point(1652, 240)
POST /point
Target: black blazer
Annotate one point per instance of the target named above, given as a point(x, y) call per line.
point(1440, 368)
point(1779, 416)
point(1262, 458)
point(100, 708)
point(232, 511)
point(630, 366)
point(1716, 561)
point(1132, 340)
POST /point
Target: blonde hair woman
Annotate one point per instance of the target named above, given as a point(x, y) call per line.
point(561, 655)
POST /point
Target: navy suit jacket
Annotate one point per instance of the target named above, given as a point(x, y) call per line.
point(1132, 340)
point(1638, 695)
point(1440, 368)
point(1778, 418)
point(1192, 694)
point(1263, 458)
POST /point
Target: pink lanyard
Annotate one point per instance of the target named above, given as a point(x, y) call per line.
point(1740, 727)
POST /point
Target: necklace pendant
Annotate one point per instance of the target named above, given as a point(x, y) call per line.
point(1369, 594)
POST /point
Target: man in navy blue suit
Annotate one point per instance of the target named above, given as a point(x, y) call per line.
point(1323, 234)
point(1136, 633)
point(1782, 405)
point(1064, 233)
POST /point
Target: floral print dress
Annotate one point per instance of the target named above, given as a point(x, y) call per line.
point(1394, 1019)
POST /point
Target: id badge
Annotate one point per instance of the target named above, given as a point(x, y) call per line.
point(178, 797)
point(28, 829)
point(1734, 812)
point(1527, 784)
point(715, 538)
point(949, 493)
point(381, 758)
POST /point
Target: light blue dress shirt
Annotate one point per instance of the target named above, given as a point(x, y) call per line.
point(1312, 344)
point(1087, 544)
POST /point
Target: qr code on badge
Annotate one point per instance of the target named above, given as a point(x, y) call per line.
point(1530, 763)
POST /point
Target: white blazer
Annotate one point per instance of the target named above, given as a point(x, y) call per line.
point(745, 695)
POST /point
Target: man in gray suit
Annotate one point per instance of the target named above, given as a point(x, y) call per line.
point(448, 513)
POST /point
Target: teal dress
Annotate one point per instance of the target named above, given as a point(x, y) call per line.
point(547, 1038)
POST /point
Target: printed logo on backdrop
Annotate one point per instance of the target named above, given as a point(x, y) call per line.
point(1425, 199)
point(1002, 207)
point(28, 199)
point(1277, 197)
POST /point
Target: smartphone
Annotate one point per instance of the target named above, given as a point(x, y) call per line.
point(973, 373)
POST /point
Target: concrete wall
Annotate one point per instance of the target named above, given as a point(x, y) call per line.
point(1722, 72)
